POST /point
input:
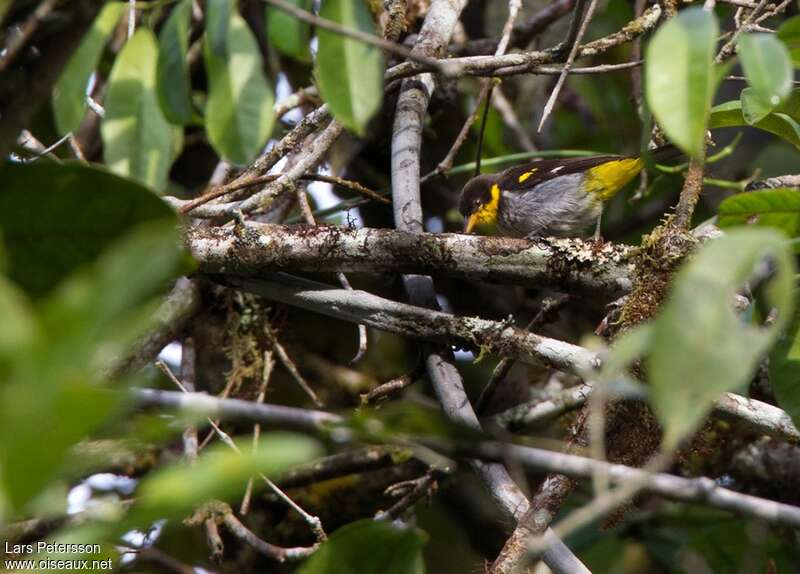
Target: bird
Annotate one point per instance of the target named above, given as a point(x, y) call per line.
point(549, 197)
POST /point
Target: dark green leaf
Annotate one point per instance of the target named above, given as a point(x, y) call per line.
point(31, 452)
point(700, 347)
point(680, 79)
point(781, 124)
point(784, 368)
point(754, 107)
point(174, 89)
point(767, 66)
point(776, 208)
point(349, 72)
point(69, 94)
point(218, 15)
point(290, 35)
point(54, 219)
point(239, 113)
point(137, 140)
point(369, 547)
point(789, 34)
point(91, 318)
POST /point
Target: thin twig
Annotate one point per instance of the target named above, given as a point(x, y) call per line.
point(18, 40)
point(573, 53)
point(266, 373)
point(289, 365)
point(313, 521)
point(131, 18)
point(278, 553)
point(391, 388)
point(363, 339)
point(548, 309)
point(236, 186)
point(484, 94)
point(373, 40)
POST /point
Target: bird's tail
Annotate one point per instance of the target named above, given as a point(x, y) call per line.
point(664, 153)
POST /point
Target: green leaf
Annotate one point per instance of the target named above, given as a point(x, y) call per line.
point(32, 452)
point(174, 87)
point(218, 15)
point(137, 140)
point(290, 36)
point(784, 368)
point(90, 319)
point(776, 208)
point(680, 79)
point(767, 66)
point(349, 72)
point(789, 34)
point(729, 114)
point(369, 547)
point(220, 473)
point(700, 347)
point(754, 107)
point(69, 94)
point(239, 113)
point(19, 323)
point(56, 218)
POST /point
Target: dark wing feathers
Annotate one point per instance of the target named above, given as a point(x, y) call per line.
point(542, 170)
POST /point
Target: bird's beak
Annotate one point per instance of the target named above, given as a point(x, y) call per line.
point(470, 222)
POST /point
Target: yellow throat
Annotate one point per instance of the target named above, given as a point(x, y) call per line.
point(487, 213)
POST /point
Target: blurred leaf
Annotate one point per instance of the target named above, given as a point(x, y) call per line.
point(91, 318)
point(239, 113)
point(218, 15)
point(784, 368)
point(19, 323)
point(701, 348)
point(789, 34)
point(680, 79)
point(174, 87)
point(220, 473)
point(729, 114)
point(754, 107)
point(4, 6)
point(137, 140)
point(290, 36)
point(369, 547)
point(349, 72)
point(777, 208)
point(103, 310)
point(32, 452)
point(767, 66)
point(69, 93)
point(56, 218)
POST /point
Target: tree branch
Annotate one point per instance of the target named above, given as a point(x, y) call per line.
point(703, 490)
point(200, 404)
point(570, 264)
point(423, 323)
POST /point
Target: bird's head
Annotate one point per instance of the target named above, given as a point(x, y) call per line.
point(479, 201)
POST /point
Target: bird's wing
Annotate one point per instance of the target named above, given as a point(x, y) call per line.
point(525, 176)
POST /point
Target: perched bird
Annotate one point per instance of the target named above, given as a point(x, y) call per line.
point(549, 197)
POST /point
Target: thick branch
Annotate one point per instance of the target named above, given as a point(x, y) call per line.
point(173, 314)
point(570, 264)
point(703, 490)
point(411, 320)
point(758, 415)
